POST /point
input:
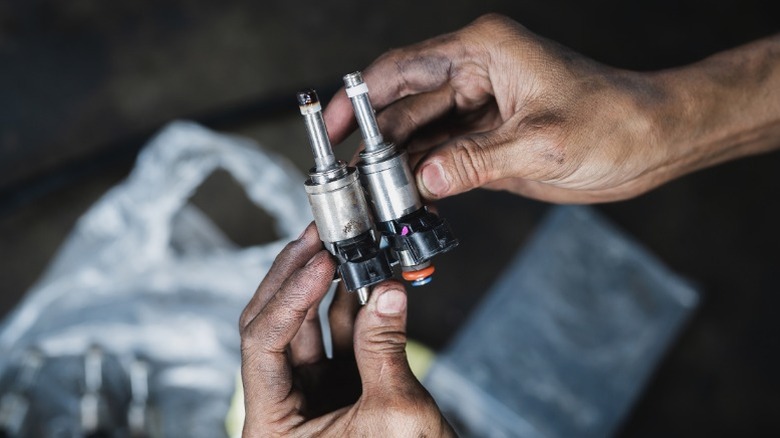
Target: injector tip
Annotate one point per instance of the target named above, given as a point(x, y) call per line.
point(307, 97)
point(363, 295)
point(352, 79)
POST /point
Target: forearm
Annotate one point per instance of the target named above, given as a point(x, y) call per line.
point(728, 107)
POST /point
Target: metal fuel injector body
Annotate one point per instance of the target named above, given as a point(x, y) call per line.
point(340, 208)
point(414, 234)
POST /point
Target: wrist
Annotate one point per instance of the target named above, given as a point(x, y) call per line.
point(724, 107)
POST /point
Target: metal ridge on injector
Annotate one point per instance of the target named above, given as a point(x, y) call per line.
point(414, 234)
point(340, 209)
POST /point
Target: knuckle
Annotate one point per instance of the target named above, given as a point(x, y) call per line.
point(391, 58)
point(287, 253)
point(244, 320)
point(492, 27)
point(248, 348)
point(385, 341)
point(495, 20)
point(399, 124)
point(472, 163)
point(322, 262)
point(268, 336)
point(490, 18)
point(394, 54)
point(292, 248)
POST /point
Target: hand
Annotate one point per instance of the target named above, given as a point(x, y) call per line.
point(291, 389)
point(496, 106)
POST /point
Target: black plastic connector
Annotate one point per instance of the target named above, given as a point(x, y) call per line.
point(361, 262)
point(420, 234)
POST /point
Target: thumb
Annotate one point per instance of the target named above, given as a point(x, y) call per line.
point(464, 163)
point(380, 341)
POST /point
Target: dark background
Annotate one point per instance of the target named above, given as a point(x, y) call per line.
point(83, 83)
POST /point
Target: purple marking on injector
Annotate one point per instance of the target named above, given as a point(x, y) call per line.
point(404, 231)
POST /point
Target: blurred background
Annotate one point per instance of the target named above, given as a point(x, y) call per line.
point(84, 83)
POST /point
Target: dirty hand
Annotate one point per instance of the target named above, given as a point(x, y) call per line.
point(494, 105)
point(292, 389)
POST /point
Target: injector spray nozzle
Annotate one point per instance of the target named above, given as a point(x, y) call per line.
point(413, 233)
point(340, 208)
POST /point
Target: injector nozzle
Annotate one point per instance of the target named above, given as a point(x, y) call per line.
point(340, 208)
point(413, 233)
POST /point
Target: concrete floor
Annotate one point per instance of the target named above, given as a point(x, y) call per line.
point(84, 83)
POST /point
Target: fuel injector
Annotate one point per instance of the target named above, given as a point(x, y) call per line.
point(340, 209)
point(413, 233)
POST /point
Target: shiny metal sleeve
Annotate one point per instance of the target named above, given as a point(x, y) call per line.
point(339, 207)
point(392, 187)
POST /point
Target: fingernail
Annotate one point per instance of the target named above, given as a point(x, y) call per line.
point(392, 302)
point(434, 179)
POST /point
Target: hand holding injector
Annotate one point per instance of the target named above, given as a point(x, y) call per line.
point(410, 234)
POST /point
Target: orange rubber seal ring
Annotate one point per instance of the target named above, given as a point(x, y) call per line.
point(416, 275)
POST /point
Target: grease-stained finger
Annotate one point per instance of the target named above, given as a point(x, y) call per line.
point(415, 69)
point(307, 347)
point(292, 257)
point(265, 339)
point(400, 120)
point(341, 316)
